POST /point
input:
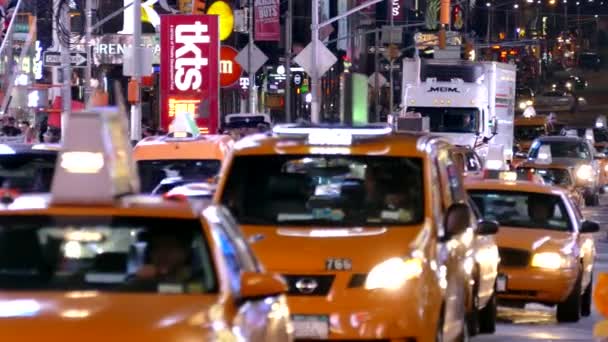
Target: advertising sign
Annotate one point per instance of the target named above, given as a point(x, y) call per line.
point(267, 26)
point(230, 70)
point(190, 69)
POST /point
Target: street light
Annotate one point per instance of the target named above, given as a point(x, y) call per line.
point(516, 6)
point(488, 4)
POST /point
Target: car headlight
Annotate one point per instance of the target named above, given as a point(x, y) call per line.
point(549, 260)
point(522, 105)
point(584, 172)
point(393, 273)
point(529, 102)
point(568, 85)
point(606, 167)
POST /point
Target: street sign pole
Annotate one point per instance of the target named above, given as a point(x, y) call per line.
point(66, 67)
point(87, 44)
point(314, 77)
point(288, 43)
point(315, 27)
point(136, 107)
point(250, 71)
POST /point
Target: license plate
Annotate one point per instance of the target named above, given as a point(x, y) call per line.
point(501, 283)
point(308, 326)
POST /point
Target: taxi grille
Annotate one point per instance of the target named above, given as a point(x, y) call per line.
point(513, 257)
point(323, 284)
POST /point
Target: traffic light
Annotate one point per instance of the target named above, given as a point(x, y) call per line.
point(198, 6)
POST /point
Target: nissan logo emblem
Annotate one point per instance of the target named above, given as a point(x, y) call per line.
point(306, 285)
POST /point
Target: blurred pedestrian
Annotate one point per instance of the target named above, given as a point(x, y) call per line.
point(10, 129)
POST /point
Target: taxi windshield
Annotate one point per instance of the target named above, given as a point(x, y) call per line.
point(528, 132)
point(325, 190)
point(153, 172)
point(558, 177)
point(563, 149)
point(120, 254)
point(27, 172)
point(522, 209)
point(449, 119)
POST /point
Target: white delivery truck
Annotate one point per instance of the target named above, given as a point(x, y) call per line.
point(469, 103)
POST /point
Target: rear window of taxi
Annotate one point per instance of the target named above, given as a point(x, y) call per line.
point(523, 209)
point(153, 172)
point(119, 253)
point(325, 190)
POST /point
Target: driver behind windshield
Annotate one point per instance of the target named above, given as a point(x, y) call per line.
point(170, 259)
point(540, 212)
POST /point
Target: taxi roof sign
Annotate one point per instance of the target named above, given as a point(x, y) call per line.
point(94, 165)
point(183, 126)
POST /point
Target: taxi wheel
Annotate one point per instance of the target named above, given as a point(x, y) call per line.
point(473, 316)
point(569, 311)
point(586, 300)
point(487, 316)
point(440, 326)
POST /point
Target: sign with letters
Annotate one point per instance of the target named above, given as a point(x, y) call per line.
point(190, 69)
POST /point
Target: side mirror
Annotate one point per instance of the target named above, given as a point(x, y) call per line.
point(589, 227)
point(260, 285)
point(457, 220)
point(522, 155)
point(485, 227)
point(494, 126)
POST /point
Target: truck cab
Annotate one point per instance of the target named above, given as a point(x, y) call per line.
point(469, 103)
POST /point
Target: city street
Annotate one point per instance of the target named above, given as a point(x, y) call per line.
point(537, 322)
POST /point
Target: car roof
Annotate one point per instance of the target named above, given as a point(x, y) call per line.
point(515, 186)
point(560, 138)
point(394, 144)
point(132, 205)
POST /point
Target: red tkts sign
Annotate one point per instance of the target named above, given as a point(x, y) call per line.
point(189, 73)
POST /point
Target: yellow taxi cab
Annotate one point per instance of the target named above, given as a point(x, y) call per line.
point(546, 248)
point(467, 161)
point(600, 298)
point(93, 261)
point(370, 229)
point(526, 129)
point(182, 156)
point(557, 175)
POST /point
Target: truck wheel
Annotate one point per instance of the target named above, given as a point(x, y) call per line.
point(487, 316)
point(586, 299)
point(569, 311)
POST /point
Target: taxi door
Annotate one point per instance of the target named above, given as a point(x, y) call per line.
point(452, 253)
point(259, 320)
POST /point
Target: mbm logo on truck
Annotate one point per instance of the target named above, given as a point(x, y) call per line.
point(189, 72)
point(443, 90)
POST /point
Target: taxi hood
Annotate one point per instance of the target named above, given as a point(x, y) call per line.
point(93, 316)
point(534, 239)
point(307, 249)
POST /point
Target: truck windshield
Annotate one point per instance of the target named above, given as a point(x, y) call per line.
point(450, 120)
point(325, 190)
point(529, 132)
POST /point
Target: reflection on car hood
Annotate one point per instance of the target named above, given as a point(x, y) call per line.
point(534, 239)
point(91, 316)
